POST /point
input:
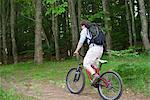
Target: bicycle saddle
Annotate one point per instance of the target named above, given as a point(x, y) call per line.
point(102, 61)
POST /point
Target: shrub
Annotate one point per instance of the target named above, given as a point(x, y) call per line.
point(124, 53)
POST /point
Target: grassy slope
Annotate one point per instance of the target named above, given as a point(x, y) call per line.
point(135, 71)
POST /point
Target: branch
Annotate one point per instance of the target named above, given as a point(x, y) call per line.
point(28, 18)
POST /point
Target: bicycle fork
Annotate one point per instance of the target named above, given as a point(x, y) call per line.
point(77, 74)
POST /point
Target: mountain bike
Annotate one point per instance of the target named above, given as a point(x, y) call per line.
point(109, 84)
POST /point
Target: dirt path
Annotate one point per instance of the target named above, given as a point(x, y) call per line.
point(48, 91)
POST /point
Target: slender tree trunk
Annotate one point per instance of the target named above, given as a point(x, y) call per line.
point(1, 32)
point(128, 22)
point(74, 29)
point(5, 52)
point(133, 22)
point(79, 20)
point(69, 34)
point(79, 13)
point(108, 27)
point(12, 23)
point(0, 42)
point(38, 56)
point(144, 25)
point(45, 37)
point(55, 33)
point(149, 18)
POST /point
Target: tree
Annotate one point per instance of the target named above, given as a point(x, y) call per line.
point(74, 29)
point(55, 33)
point(144, 25)
point(105, 4)
point(5, 52)
point(133, 22)
point(38, 55)
point(12, 24)
point(79, 12)
point(128, 22)
point(55, 8)
point(149, 18)
point(1, 32)
point(79, 20)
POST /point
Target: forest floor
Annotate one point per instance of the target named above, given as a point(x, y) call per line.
point(44, 90)
point(28, 81)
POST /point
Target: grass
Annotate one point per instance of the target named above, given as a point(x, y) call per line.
point(133, 70)
point(12, 95)
point(136, 74)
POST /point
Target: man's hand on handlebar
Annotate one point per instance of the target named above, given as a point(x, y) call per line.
point(76, 53)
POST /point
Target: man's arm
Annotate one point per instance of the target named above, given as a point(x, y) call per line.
point(78, 48)
point(81, 41)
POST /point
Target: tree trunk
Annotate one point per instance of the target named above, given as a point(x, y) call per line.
point(12, 24)
point(79, 13)
point(1, 32)
point(0, 42)
point(45, 37)
point(149, 18)
point(68, 44)
point(133, 22)
point(74, 29)
point(79, 20)
point(55, 33)
point(108, 27)
point(5, 52)
point(38, 56)
point(144, 25)
point(128, 22)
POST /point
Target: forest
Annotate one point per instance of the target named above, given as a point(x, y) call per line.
point(38, 39)
point(33, 29)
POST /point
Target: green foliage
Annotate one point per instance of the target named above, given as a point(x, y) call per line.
point(6, 95)
point(124, 53)
point(57, 9)
point(147, 52)
point(98, 15)
point(50, 1)
point(135, 75)
point(26, 7)
point(11, 95)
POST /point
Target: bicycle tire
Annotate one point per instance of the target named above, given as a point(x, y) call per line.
point(117, 78)
point(69, 79)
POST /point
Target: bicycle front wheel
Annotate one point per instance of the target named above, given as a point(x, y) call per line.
point(75, 81)
point(110, 86)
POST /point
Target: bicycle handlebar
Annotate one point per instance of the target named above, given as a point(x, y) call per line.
point(79, 55)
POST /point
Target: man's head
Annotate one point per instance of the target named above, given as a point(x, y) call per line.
point(84, 23)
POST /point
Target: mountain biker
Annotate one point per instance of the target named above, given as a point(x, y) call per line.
point(94, 52)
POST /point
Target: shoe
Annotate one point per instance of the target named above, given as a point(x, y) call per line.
point(96, 79)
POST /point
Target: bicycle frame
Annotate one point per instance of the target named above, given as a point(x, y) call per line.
point(97, 70)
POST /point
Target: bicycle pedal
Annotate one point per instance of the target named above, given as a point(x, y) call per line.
point(94, 85)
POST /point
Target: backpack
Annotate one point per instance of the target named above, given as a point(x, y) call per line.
point(98, 36)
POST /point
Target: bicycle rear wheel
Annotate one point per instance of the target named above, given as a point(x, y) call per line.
point(110, 86)
point(75, 81)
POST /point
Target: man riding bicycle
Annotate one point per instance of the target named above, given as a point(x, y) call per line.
point(94, 52)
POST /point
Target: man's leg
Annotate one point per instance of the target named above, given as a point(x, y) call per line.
point(90, 58)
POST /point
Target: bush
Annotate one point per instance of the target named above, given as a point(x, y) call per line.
point(6, 95)
point(135, 76)
point(124, 53)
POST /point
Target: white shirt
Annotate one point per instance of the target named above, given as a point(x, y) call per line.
point(83, 35)
point(86, 35)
